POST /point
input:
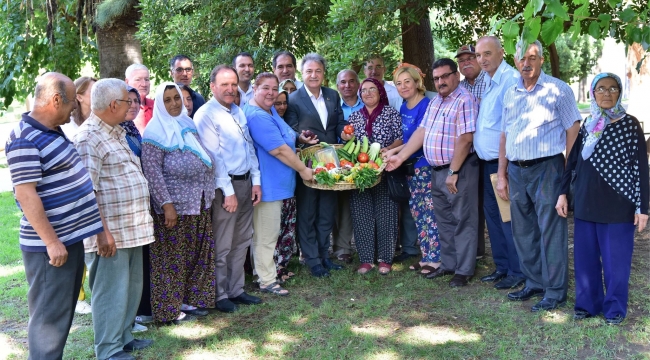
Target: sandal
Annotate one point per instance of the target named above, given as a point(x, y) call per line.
point(364, 268)
point(415, 267)
point(384, 268)
point(428, 268)
point(274, 288)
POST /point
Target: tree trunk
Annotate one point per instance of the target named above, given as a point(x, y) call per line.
point(639, 85)
point(582, 90)
point(117, 46)
point(555, 61)
point(417, 46)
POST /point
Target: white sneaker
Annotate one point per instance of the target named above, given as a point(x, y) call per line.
point(83, 308)
point(143, 319)
point(137, 328)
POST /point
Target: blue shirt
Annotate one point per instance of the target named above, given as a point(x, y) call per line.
point(269, 132)
point(488, 123)
point(347, 109)
point(36, 154)
point(536, 121)
point(411, 119)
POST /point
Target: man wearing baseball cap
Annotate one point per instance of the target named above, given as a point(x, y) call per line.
point(469, 67)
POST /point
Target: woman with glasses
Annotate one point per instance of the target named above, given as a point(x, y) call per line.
point(374, 213)
point(611, 198)
point(181, 183)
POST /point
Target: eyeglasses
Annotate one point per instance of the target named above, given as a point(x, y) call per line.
point(612, 90)
point(442, 77)
point(371, 90)
point(128, 102)
point(376, 67)
point(180, 70)
point(467, 59)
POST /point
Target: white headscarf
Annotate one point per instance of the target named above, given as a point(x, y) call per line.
point(171, 133)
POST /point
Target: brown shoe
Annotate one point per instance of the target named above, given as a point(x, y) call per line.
point(346, 258)
point(459, 280)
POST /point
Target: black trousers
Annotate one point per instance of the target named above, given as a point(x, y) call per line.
point(315, 218)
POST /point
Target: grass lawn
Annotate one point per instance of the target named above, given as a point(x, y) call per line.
point(399, 316)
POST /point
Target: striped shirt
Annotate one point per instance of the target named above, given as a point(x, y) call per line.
point(536, 121)
point(488, 124)
point(445, 120)
point(117, 177)
point(478, 89)
point(36, 154)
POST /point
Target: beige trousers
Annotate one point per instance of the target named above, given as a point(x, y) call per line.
point(266, 222)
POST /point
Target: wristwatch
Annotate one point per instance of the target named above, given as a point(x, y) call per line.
point(452, 172)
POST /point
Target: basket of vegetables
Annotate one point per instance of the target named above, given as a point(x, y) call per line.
point(355, 165)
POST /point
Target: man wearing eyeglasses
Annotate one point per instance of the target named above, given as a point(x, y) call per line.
point(182, 72)
point(540, 120)
point(469, 67)
point(446, 135)
point(375, 68)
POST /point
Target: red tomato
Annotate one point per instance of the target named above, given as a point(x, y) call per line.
point(363, 158)
point(330, 166)
point(348, 129)
point(320, 170)
point(373, 165)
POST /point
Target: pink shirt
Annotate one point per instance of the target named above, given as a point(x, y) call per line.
point(445, 120)
point(144, 116)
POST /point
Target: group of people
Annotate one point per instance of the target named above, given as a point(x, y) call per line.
point(166, 195)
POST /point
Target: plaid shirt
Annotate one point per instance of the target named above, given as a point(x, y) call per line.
point(120, 186)
point(445, 120)
point(479, 86)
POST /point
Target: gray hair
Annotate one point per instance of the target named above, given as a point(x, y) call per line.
point(133, 67)
point(520, 49)
point(49, 85)
point(342, 72)
point(106, 91)
point(313, 57)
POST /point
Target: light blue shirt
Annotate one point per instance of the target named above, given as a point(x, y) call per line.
point(488, 124)
point(536, 121)
point(347, 109)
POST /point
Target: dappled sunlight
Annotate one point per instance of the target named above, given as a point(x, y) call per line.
point(8, 347)
point(195, 330)
point(384, 355)
point(376, 328)
point(298, 319)
point(234, 348)
point(436, 335)
point(555, 317)
point(277, 340)
point(10, 270)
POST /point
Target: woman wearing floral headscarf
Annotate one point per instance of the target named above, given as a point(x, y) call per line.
point(611, 198)
point(374, 213)
point(181, 183)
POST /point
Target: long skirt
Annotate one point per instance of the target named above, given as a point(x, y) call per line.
point(422, 211)
point(287, 239)
point(182, 265)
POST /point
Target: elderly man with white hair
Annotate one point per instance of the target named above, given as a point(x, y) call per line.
point(123, 198)
point(137, 76)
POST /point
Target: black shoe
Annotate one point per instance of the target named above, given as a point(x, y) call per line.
point(510, 282)
point(196, 312)
point(246, 299)
point(547, 304)
point(225, 305)
point(403, 257)
point(136, 344)
point(439, 273)
point(121, 355)
point(184, 319)
point(319, 271)
point(330, 265)
point(581, 314)
point(459, 280)
point(494, 277)
point(615, 320)
point(525, 294)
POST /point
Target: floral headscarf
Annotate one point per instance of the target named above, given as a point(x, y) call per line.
point(132, 133)
point(383, 101)
point(600, 118)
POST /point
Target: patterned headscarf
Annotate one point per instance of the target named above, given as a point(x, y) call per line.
point(383, 101)
point(287, 81)
point(132, 133)
point(600, 118)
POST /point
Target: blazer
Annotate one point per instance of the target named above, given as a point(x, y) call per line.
point(302, 115)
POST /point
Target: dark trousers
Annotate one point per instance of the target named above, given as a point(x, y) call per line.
point(342, 232)
point(52, 296)
point(457, 216)
point(480, 248)
point(539, 233)
point(233, 233)
point(408, 232)
point(315, 217)
point(504, 252)
point(145, 301)
point(602, 249)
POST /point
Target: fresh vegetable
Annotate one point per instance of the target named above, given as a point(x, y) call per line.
point(364, 148)
point(345, 163)
point(348, 129)
point(373, 153)
point(357, 148)
point(324, 177)
point(324, 144)
point(365, 177)
point(330, 166)
point(379, 161)
point(363, 157)
point(373, 165)
point(309, 134)
point(349, 145)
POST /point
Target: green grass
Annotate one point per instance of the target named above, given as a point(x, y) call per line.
point(399, 316)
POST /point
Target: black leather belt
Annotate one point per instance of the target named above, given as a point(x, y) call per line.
point(529, 163)
point(241, 177)
point(495, 161)
point(441, 167)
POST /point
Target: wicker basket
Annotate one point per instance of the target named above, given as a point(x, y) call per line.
point(341, 185)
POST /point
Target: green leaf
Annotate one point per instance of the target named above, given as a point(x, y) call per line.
point(627, 15)
point(557, 9)
point(605, 20)
point(532, 29)
point(594, 30)
point(580, 2)
point(613, 3)
point(509, 45)
point(510, 29)
point(574, 31)
point(582, 12)
point(551, 29)
point(529, 10)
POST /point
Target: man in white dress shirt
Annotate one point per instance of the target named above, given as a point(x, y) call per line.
point(245, 66)
point(223, 129)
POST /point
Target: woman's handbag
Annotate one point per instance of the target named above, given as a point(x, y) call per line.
point(398, 187)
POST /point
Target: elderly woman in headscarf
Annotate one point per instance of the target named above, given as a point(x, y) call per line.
point(611, 199)
point(374, 213)
point(181, 183)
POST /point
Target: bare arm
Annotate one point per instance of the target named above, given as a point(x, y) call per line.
point(571, 135)
point(414, 144)
point(289, 158)
point(502, 172)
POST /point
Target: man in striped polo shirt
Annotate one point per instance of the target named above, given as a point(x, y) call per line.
point(55, 193)
point(540, 120)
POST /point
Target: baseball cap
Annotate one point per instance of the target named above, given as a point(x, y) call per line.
point(466, 49)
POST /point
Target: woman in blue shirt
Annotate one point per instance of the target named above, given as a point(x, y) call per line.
point(274, 142)
point(408, 80)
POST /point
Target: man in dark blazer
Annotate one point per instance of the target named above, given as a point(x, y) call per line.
point(318, 109)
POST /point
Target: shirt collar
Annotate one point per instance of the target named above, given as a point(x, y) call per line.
point(454, 94)
point(114, 131)
point(344, 104)
point(35, 124)
point(540, 80)
point(250, 89)
point(320, 93)
point(498, 74)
